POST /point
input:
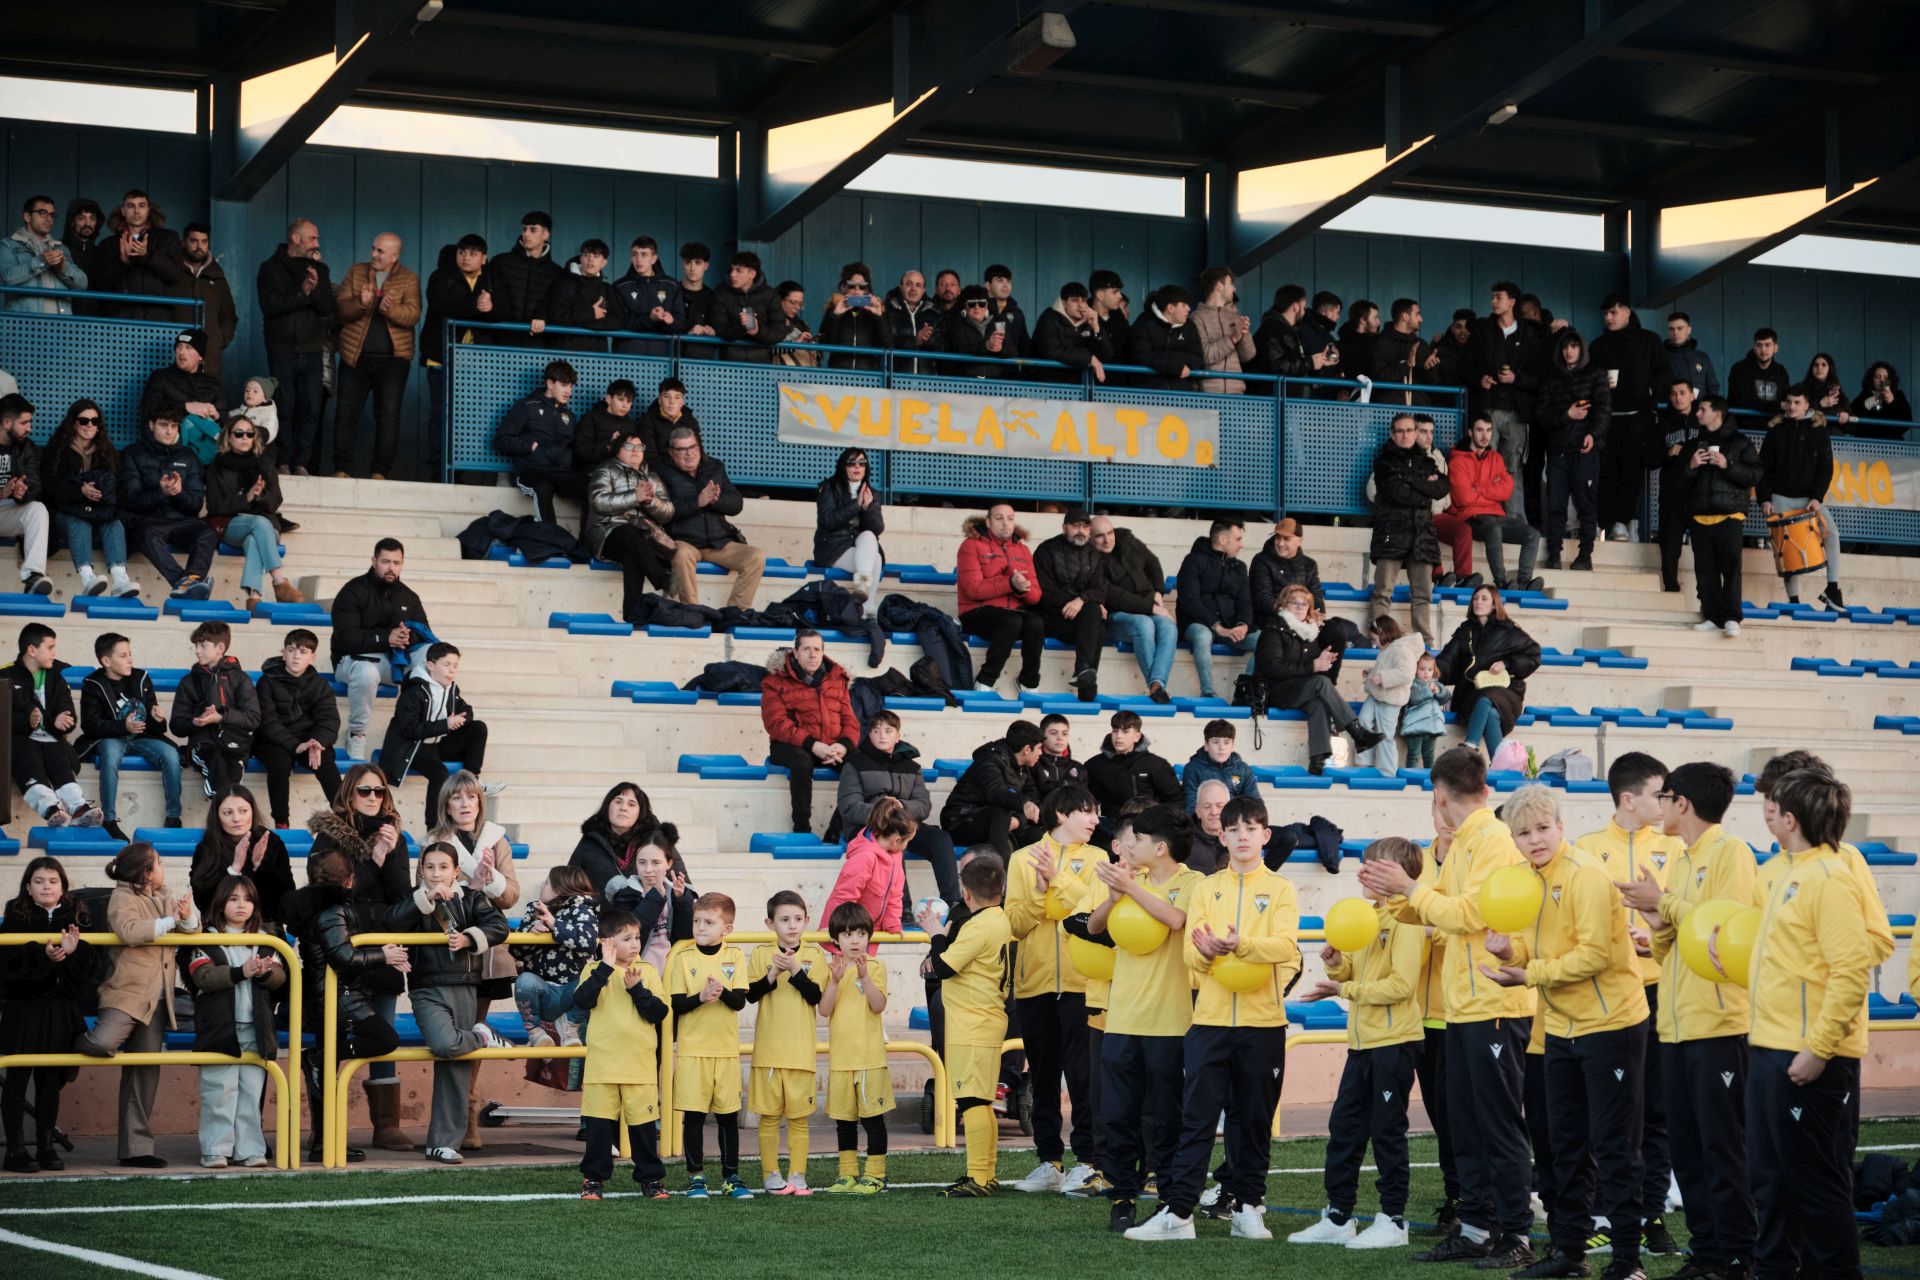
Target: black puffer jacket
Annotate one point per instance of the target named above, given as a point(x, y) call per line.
point(904, 323)
point(1165, 348)
point(854, 327)
point(175, 386)
point(324, 920)
point(64, 472)
point(520, 285)
point(1565, 387)
point(1115, 778)
point(1068, 572)
point(294, 710)
point(1076, 345)
point(375, 887)
point(839, 519)
point(569, 302)
point(1279, 349)
point(992, 781)
point(469, 912)
point(449, 297)
point(365, 613)
point(1270, 575)
point(868, 776)
point(1796, 457)
point(1053, 772)
point(1407, 482)
point(1285, 660)
point(1717, 491)
point(597, 436)
point(1134, 576)
point(705, 527)
point(1475, 646)
point(1213, 589)
point(230, 476)
point(291, 320)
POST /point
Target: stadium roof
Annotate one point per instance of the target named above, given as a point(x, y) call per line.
point(1626, 106)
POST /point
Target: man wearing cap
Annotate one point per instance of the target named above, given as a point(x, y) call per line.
point(1070, 332)
point(186, 382)
point(1005, 316)
point(379, 304)
point(1073, 597)
point(522, 276)
point(296, 302)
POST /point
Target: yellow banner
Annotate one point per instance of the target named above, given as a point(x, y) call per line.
point(998, 426)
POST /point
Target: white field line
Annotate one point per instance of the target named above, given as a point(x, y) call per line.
point(112, 1261)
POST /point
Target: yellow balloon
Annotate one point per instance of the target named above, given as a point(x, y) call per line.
point(1090, 958)
point(1510, 898)
point(1352, 924)
point(1133, 930)
point(1236, 974)
point(1057, 907)
point(1697, 928)
point(1735, 946)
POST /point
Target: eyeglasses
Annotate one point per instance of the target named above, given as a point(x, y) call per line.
point(93, 418)
point(856, 284)
point(41, 213)
point(1665, 796)
point(369, 791)
point(242, 435)
point(972, 305)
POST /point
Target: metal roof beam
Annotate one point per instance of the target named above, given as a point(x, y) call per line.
point(639, 32)
point(384, 25)
point(1747, 62)
point(1405, 22)
point(1436, 94)
point(1175, 86)
point(951, 47)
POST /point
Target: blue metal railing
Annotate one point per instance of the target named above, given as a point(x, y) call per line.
point(120, 299)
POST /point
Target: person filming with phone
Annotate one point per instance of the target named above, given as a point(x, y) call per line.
point(855, 317)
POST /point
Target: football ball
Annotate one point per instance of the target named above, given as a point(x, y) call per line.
point(937, 906)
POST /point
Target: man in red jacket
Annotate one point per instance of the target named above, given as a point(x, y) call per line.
point(805, 706)
point(999, 589)
point(1481, 487)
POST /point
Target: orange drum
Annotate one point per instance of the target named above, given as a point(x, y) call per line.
point(1799, 542)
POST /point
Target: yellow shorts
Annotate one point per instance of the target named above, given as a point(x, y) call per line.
point(785, 1092)
point(974, 1069)
point(855, 1095)
point(629, 1104)
point(706, 1084)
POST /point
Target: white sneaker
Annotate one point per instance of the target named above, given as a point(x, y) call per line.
point(1325, 1232)
point(569, 1031)
point(487, 1036)
point(1539, 1209)
point(357, 746)
point(1385, 1233)
point(119, 585)
point(1210, 1197)
point(492, 789)
point(92, 584)
point(1164, 1225)
point(445, 1155)
point(797, 1185)
point(774, 1183)
point(539, 1039)
point(1733, 629)
point(1046, 1176)
point(1250, 1223)
point(1703, 626)
point(862, 586)
point(1633, 530)
point(1077, 1177)
point(1618, 533)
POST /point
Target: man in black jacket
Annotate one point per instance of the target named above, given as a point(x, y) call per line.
point(371, 618)
point(460, 288)
point(1281, 347)
point(187, 383)
point(580, 297)
point(120, 716)
point(1277, 566)
point(537, 434)
point(22, 513)
point(652, 298)
point(703, 499)
point(141, 257)
point(1796, 469)
point(1505, 360)
point(743, 311)
point(915, 322)
point(1637, 370)
point(216, 710)
point(296, 301)
point(1724, 467)
point(1165, 342)
point(1759, 380)
point(1406, 482)
point(1573, 415)
point(1688, 360)
point(1125, 768)
point(1004, 314)
point(523, 275)
point(1214, 602)
point(1070, 332)
point(1136, 603)
point(163, 489)
point(1666, 454)
point(298, 721)
point(995, 801)
point(696, 296)
point(1107, 291)
point(1073, 597)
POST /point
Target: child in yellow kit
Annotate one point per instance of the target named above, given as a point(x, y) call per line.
point(784, 982)
point(859, 1085)
point(708, 988)
point(969, 955)
point(1380, 984)
point(621, 1084)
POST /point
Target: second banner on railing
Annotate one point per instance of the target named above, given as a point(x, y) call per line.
point(998, 426)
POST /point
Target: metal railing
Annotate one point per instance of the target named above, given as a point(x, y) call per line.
point(286, 1110)
point(195, 305)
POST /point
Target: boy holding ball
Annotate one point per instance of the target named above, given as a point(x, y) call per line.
point(1384, 1036)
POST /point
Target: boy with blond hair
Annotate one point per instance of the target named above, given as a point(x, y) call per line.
point(621, 1084)
point(859, 1085)
point(1380, 984)
point(970, 957)
point(708, 986)
point(784, 983)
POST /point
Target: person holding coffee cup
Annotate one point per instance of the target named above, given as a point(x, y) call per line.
point(1638, 372)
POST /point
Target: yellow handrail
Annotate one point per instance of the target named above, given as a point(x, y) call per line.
point(286, 1110)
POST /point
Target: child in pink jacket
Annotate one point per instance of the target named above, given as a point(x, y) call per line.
point(875, 867)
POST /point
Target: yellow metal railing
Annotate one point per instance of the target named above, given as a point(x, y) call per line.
point(286, 1146)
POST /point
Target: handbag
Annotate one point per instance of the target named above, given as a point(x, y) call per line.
point(1250, 691)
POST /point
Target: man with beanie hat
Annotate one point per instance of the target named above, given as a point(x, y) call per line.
point(523, 275)
point(186, 382)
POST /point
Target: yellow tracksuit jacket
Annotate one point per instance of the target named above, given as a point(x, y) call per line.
point(1452, 905)
point(1578, 953)
point(1808, 977)
point(1264, 908)
point(1713, 867)
point(1626, 855)
point(1380, 985)
point(1041, 967)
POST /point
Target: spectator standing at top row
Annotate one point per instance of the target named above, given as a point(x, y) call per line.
point(205, 281)
point(296, 303)
point(460, 288)
point(143, 257)
point(31, 258)
point(522, 275)
point(378, 303)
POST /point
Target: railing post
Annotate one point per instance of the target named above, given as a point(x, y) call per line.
point(1279, 449)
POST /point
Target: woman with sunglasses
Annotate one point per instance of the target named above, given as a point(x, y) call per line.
point(848, 525)
point(243, 503)
point(82, 472)
point(364, 825)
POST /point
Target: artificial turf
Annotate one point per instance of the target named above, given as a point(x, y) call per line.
point(274, 1229)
